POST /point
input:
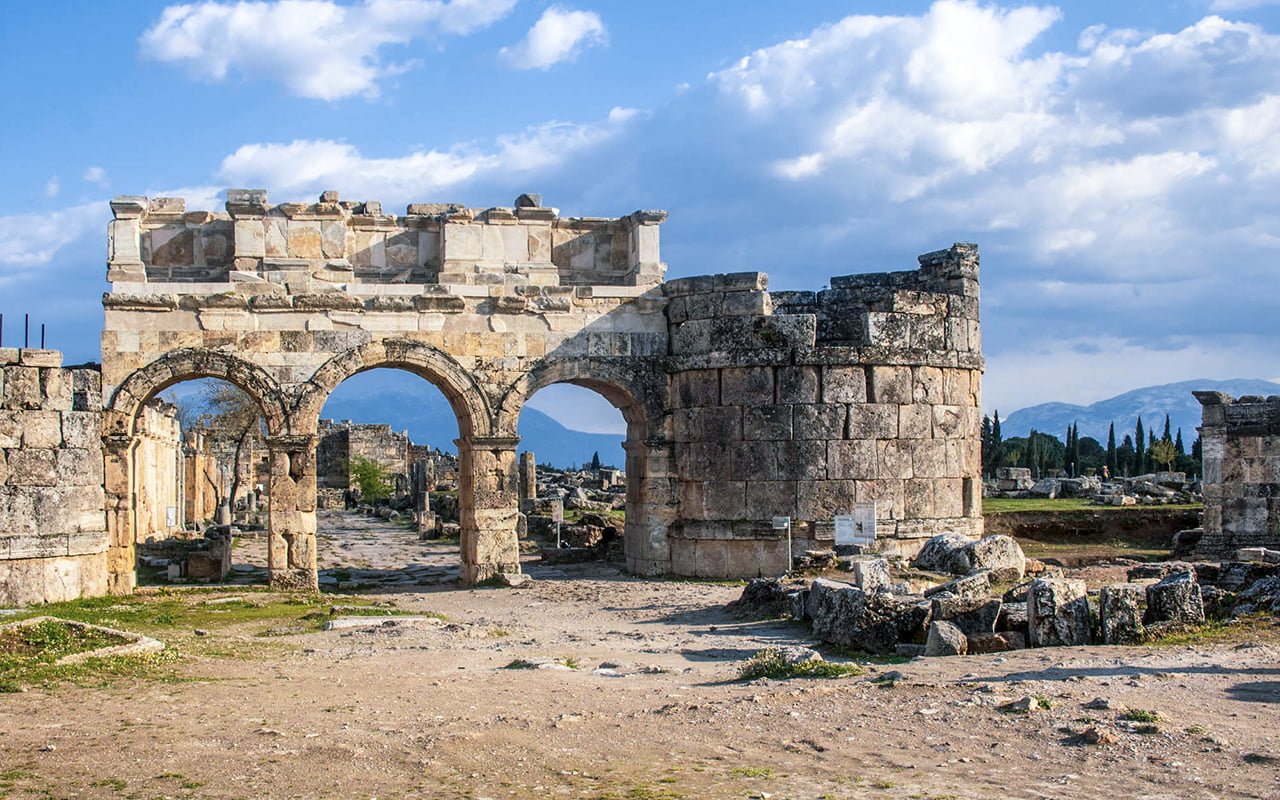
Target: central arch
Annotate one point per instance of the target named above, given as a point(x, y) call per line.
point(638, 392)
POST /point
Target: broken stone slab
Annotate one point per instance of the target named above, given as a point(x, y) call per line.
point(998, 553)
point(1013, 617)
point(875, 622)
point(870, 574)
point(1261, 554)
point(999, 642)
point(762, 598)
point(1058, 613)
point(976, 585)
point(1120, 613)
point(514, 580)
point(343, 623)
point(972, 615)
point(1177, 599)
point(945, 639)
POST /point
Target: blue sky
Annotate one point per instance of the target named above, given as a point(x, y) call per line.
point(1119, 163)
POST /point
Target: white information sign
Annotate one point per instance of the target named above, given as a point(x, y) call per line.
point(858, 528)
point(781, 523)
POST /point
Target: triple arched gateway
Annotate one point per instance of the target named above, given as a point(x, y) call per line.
point(741, 405)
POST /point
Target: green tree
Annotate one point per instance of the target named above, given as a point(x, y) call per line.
point(1163, 452)
point(1113, 465)
point(1177, 444)
point(1166, 437)
point(595, 461)
point(373, 479)
point(1139, 449)
point(1125, 455)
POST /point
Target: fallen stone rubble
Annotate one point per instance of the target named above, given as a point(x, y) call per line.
point(869, 611)
point(1156, 488)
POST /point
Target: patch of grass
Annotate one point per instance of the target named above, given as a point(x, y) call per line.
point(571, 662)
point(1141, 715)
point(521, 663)
point(497, 633)
point(752, 772)
point(769, 663)
point(1196, 730)
point(1260, 628)
point(115, 784)
point(1002, 505)
point(883, 784)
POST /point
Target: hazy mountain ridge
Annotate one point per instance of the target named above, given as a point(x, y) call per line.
point(1149, 402)
point(428, 418)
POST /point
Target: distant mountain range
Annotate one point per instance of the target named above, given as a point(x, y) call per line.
point(420, 409)
point(1151, 403)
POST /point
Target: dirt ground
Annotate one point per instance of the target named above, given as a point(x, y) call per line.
point(647, 708)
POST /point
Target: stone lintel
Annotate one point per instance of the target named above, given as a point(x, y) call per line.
point(129, 206)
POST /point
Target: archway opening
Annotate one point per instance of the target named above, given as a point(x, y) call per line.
point(199, 485)
point(388, 504)
point(579, 488)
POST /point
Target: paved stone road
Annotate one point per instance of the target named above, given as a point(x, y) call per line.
point(359, 551)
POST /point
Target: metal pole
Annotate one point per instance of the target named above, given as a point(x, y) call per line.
point(26, 330)
point(41, 335)
point(1, 330)
point(790, 558)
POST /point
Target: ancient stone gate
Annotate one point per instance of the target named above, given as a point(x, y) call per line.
point(740, 405)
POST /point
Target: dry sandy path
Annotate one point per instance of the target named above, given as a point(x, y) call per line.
point(428, 711)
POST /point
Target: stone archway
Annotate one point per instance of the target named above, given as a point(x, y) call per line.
point(639, 392)
point(122, 409)
point(487, 496)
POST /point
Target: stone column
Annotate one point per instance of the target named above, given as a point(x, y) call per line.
point(652, 506)
point(489, 497)
point(528, 481)
point(117, 452)
point(291, 544)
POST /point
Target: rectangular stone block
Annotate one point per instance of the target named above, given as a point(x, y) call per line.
point(10, 429)
point(768, 499)
point(823, 500)
point(798, 385)
point(767, 423)
point(927, 385)
point(724, 499)
point(873, 421)
point(929, 458)
point(21, 388)
point(753, 461)
point(31, 467)
point(891, 385)
point(802, 459)
point(746, 386)
point(41, 429)
point(47, 359)
point(818, 421)
point(844, 385)
point(915, 422)
point(918, 498)
point(894, 458)
point(721, 424)
point(851, 458)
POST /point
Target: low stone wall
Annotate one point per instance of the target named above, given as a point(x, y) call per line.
point(53, 533)
point(1241, 453)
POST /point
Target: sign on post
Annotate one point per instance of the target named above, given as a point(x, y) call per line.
point(858, 528)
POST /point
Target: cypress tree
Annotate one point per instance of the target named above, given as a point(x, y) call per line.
point(1066, 451)
point(1033, 455)
point(1177, 444)
point(1166, 437)
point(997, 441)
point(987, 449)
point(1139, 449)
point(1075, 449)
point(1113, 466)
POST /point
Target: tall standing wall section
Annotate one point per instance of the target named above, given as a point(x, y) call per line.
point(803, 404)
point(53, 532)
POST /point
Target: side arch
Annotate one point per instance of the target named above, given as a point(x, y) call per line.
point(637, 390)
point(186, 364)
point(468, 401)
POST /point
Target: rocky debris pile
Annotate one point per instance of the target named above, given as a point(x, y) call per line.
point(870, 612)
point(1157, 488)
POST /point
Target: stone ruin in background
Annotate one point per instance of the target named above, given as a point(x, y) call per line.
point(741, 405)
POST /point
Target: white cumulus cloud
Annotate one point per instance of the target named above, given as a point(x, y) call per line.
point(29, 240)
point(316, 48)
point(96, 176)
point(301, 168)
point(558, 35)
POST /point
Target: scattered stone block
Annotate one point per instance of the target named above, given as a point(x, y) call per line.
point(1120, 613)
point(942, 553)
point(1000, 554)
point(1058, 613)
point(975, 585)
point(972, 615)
point(1175, 599)
point(945, 639)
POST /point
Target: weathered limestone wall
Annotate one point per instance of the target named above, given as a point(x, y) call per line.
point(1240, 441)
point(802, 404)
point(158, 464)
point(342, 441)
point(202, 480)
point(740, 405)
point(53, 537)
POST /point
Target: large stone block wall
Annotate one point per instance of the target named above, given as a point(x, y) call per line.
point(1240, 446)
point(53, 537)
point(801, 404)
point(159, 464)
point(342, 441)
